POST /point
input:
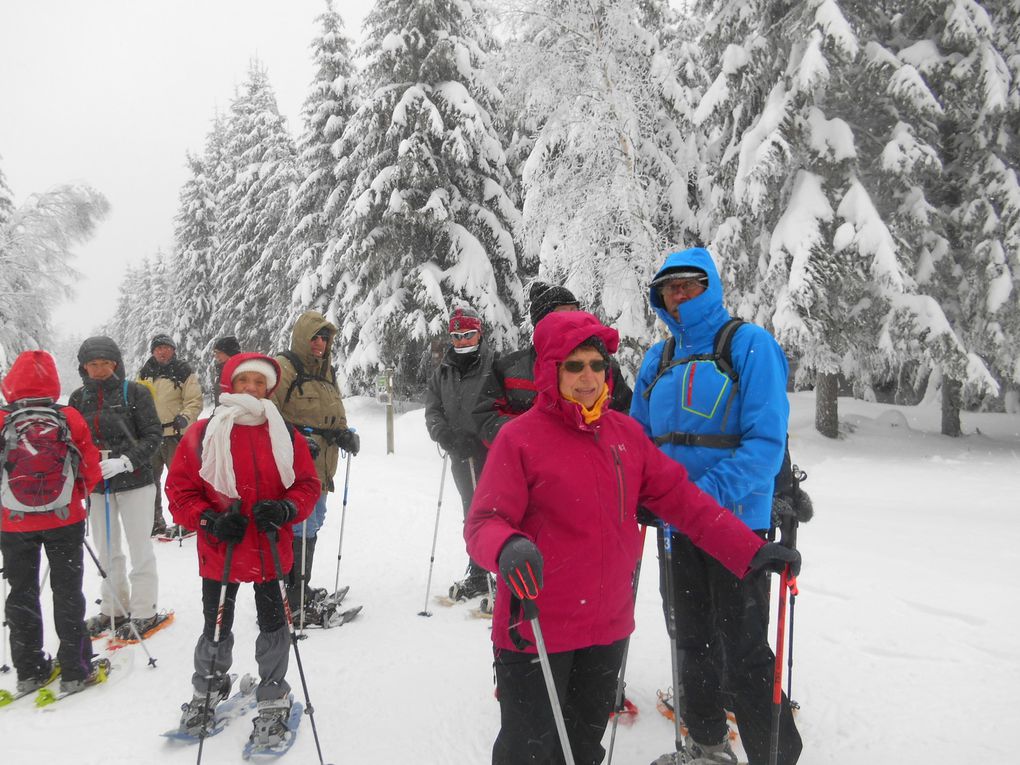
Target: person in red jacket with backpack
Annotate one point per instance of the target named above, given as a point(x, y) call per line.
point(241, 478)
point(556, 514)
point(49, 466)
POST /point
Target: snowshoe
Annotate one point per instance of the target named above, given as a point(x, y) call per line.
point(470, 587)
point(197, 715)
point(139, 629)
point(98, 674)
point(270, 724)
point(198, 722)
point(174, 533)
point(99, 625)
point(30, 685)
point(274, 724)
point(703, 754)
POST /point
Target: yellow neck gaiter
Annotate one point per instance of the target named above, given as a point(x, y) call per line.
point(590, 415)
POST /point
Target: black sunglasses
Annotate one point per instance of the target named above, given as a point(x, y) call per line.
point(576, 367)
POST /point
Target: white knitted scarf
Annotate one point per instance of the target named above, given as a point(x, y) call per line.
point(243, 409)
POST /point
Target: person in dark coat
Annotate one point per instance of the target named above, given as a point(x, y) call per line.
point(122, 417)
point(449, 402)
point(558, 520)
point(222, 350)
point(509, 388)
point(33, 381)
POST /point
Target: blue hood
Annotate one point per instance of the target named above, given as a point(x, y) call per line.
point(700, 317)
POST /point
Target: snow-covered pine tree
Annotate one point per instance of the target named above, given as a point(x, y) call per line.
point(253, 284)
point(957, 47)
point(607, 181)
point(821, 203)
point(35, 259)
point(193, 266)
point(320, 197)
point(6, 200)
point(130, 326)
point(428, 223)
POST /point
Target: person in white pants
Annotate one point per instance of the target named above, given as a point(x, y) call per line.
point(125, 427)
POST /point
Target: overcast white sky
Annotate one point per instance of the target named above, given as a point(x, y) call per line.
point(114, 92)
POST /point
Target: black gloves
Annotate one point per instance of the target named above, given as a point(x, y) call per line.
point(520, 563)
point(464, 444)
point(272, 514)
point(646, 517)
point(445, 438)
point(349, 441)
point(180, 423)
point(313, 447)
point(228, 527)
point(775, 557)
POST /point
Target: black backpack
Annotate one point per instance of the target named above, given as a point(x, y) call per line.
point(303, 376)
point(788, 497)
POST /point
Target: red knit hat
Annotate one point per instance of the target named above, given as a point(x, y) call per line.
point(465, 319)
point(250, 362)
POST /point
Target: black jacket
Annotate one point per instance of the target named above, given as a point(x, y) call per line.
point(126, 428)
point(509, 390)
point(451, 396)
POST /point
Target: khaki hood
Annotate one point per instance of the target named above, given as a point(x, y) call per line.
point(306, 327)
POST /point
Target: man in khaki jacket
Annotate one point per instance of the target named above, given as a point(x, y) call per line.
point(178, 398)
point(308, 397)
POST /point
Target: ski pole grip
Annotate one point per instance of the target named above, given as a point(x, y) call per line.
point(530, 609)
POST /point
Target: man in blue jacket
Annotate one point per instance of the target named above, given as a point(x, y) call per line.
point(729, 431)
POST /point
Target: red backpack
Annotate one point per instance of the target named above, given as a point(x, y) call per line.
point(39, 460)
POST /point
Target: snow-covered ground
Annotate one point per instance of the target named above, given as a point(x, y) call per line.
point(906, 623)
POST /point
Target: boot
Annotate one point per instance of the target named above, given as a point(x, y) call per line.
point(710, 754)
point(474, 584)
point(270, 725)
point(196, 716)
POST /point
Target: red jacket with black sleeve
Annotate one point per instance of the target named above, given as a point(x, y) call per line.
point(257, 478)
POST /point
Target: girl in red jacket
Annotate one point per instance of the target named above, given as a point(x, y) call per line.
point(235, 477)
point(33, 382)
point(556, 514)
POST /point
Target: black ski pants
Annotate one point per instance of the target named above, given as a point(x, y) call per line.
point(461, 468)
point(586, 687)
point(727, 663)
point(22, 555)
point(268, 607)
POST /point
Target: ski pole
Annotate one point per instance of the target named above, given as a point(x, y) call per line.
point(217, 631)
point(4, 667)
point(343, 520)
point(435, 535)
point(105, 455)
point(474, 488)
point(671, 628)
point(531, 614)
point(785, 582)
point(274, 539)
point(301, 578)
point(789, 538)
point(620, 684)
point(117, 603)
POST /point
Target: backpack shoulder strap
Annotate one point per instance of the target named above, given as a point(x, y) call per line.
point(722, 348)
point(665, 364)
point(299, 367)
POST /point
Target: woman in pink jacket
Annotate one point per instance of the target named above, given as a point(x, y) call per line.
point(556, 513)
point(241, 478)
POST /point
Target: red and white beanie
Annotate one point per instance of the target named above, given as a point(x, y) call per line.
point(464, 319)
point(250, 362)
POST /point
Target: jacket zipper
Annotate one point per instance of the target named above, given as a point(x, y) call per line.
point(619, 479)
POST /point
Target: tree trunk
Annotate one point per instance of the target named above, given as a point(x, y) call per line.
point(951, 407)
point(827, 405)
